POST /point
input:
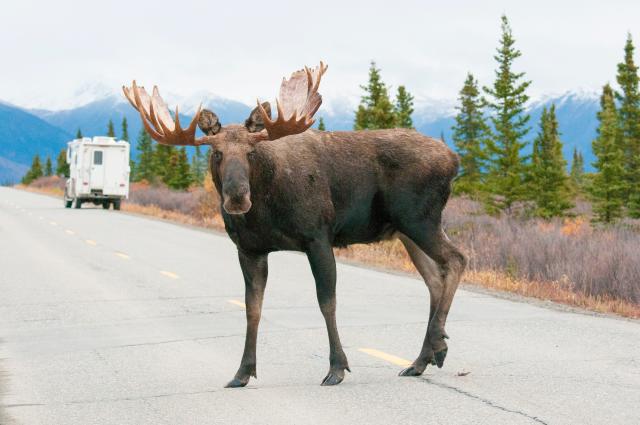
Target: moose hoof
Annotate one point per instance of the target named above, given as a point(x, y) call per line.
point(413, 370)
point(237, 383)
point(334, 377)
point(439, 358)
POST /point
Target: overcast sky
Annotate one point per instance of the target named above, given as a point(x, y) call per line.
point(241, 49)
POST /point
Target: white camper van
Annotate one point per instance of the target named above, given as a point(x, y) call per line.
point(98, 172)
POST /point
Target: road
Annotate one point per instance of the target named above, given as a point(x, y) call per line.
point(111, 318)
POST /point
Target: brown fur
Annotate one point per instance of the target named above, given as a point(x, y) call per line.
point(315, 190)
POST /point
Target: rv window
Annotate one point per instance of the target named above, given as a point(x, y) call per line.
point(97, 158)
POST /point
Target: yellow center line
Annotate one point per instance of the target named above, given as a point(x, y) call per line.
point(169, 274)
point(122, 255)
point(386, 356)
point(69, 232)
point(53, 223)
point(238, 303)
point(91, 242)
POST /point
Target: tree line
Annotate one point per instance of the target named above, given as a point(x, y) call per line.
point(490, 136)
point(490, 131)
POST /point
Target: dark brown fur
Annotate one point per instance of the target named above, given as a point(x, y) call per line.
point(316, 190)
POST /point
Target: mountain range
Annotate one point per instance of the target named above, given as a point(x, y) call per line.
point(25, 132)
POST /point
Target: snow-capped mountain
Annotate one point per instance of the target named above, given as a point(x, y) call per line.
point(97, 104)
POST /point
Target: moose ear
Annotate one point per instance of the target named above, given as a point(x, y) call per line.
point(209, 123)
point(255, 122)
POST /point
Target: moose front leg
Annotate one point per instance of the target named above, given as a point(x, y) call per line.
point(254, 269)
point(323, 267)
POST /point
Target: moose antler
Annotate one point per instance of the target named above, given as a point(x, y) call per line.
point(297, 103)
point(157, 120)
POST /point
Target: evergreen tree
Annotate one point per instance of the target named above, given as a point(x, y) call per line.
point(470, 134)
point(34, 172)
point(629, 118)
point(198, 166)
point(48, 167)
point(125, 137)
point(548, 180)
point(179, 177)
point(577, 170)
point(375, 110)
point(162, 168)
point(506, 167)
point(321, 125)
point(145, 168)
point(403, 108)
point(125, 130)
point(62, 168)
point(79, 134)
point(110, 131)
point(607, 186)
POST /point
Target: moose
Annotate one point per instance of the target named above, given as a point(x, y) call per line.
point(285, 186)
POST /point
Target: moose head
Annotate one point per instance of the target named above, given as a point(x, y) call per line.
point(233, 146)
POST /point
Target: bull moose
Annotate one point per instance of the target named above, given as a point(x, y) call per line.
point(284, 186)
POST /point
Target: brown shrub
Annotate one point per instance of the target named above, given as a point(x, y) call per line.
point(600, 262)
point(50, 182)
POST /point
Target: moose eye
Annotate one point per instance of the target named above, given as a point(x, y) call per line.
point(217, 155)
point(251, 155)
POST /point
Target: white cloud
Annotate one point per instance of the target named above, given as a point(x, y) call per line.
point(240, 50)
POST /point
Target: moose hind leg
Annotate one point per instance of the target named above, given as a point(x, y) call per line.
point(450, 262)
point(254, 270)
point(323, 267)
point(431, 275)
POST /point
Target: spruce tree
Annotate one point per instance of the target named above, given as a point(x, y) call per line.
point(470, 134)
point(125, 130)
point(577, 170)
point(375, 110)
point(321, 125)
point(179, 177)
point(79, 134)
point(62, 168)
point(548, 180)
point(34, 172)
point(403, 108)
point(145, 167)
point(110, 131)
point(125, 136)
point(506, 166)
point(607, 187)
point(48, 167)
point(629, 118)
point(163, 169)
point(198, 166)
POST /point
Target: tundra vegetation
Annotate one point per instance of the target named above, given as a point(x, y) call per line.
point(525, 224)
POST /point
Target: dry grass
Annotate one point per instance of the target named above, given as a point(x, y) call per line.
point(565, 261)
point(214, 222)
point(392, 255)
point(52, 185)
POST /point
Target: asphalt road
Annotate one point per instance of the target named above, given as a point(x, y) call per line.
point(110, 318)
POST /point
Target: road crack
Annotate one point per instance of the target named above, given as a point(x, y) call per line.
point(483, 400)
